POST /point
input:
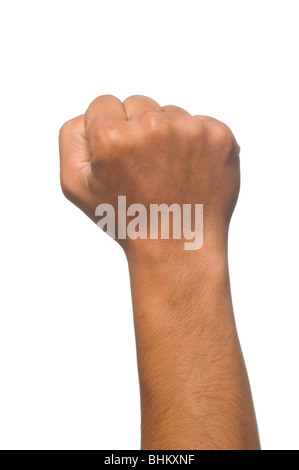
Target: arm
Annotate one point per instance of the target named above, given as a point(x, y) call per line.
point(194, 388)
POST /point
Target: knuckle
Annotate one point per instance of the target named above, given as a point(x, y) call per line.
point(223, 139)
point(219, 135)
point(108, 136)
point(108, 130)
point(99, 100)
point(222, 136)
point(226, 144)
point(156, 123)
point(193, 127)
point(132, 98)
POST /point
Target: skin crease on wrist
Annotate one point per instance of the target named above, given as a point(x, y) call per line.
point(194, 388)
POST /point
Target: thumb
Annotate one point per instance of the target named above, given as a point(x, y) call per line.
point(74, 158)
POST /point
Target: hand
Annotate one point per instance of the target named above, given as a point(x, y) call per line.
point(151, 155)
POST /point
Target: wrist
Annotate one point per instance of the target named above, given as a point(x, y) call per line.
point(163, 254)
point(163, 266)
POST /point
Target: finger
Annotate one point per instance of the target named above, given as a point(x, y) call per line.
point(105, 119)
point(73, 147)
point(175, 112)
point(138, 105)
point(103, 109)
point(204, 118)
point(219, 127)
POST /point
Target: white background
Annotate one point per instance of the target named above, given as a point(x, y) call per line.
point(67, 354)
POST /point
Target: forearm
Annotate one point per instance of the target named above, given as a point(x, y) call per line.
point(194, 388)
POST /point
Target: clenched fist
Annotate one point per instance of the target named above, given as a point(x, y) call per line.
point(151, 155)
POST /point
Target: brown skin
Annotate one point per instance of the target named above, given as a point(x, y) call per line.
point(194, 387)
